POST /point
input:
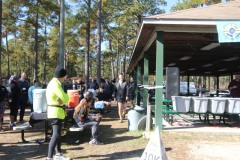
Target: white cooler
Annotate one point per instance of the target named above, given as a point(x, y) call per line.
point(39, 100)
point(181, 103)
point(233, 105)
point(216, 105)
point(200, 104)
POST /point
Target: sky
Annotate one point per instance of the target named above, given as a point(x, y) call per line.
point(170, 3)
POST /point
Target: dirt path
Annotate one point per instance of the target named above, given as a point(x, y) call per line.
point(119, 143)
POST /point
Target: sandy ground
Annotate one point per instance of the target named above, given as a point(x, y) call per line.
point(188, 138)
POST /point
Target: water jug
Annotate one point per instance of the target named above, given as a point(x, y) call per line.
point(73, 98)
point(39, 100)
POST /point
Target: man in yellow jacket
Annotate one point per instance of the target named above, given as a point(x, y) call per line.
point(56, 100)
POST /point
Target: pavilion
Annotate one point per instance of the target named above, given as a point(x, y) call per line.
point(187, 39)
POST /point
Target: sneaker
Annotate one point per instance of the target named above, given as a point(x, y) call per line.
point(11, 125)
point(60, 157)
point(120, 121)
point(94, 142)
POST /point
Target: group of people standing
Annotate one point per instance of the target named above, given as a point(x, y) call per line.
point(19, 95)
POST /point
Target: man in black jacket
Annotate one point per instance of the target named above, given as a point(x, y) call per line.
point(121, 93)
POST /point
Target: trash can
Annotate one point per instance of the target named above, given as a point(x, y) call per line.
point(233, 105)
point(134, 115)
point(216, 105)
point(39, 100)
point(200, 104)
point(181, 104)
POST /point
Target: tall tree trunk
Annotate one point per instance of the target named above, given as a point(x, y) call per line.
point(117, 56)
point(35, 74)
point(61, 42)
point(199, 82)
point(99, 42)
point(112, 59)
point(0, 37)
point(45, 52)
point(87, 48)
point(125, 56)
point(214, 83)
point(204, 84)
point(8, 61)
point(209, 83)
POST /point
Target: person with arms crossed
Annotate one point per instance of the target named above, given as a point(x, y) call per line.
point(56, 100)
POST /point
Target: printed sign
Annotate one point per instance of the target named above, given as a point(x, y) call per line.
point(155, 149)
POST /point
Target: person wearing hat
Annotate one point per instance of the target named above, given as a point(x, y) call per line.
point(83, 119)
point(56, 100)
point(13, 100)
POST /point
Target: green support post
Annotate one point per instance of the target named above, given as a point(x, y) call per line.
point(138, 82)
point(159, 80)
point(135, 85)
point(145, 92)
point(145, 79)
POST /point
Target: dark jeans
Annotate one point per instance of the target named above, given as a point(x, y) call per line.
point(93, 124)
point(55, 142)
point(22, 104)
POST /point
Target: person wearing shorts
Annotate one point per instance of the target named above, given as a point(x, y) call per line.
point(121, 93)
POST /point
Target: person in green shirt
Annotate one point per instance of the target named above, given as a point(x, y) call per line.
point(56, 100)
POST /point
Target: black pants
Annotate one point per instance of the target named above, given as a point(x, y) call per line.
point(55, 142)
point(22, 104)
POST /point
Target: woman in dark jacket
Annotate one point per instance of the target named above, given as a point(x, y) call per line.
point(13, 100)
point(131, 92)
point(121, 93)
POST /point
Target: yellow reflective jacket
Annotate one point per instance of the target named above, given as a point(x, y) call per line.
point(55, 91)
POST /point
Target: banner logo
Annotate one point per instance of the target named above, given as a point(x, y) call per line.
point(228, 31)
point(232, 31)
